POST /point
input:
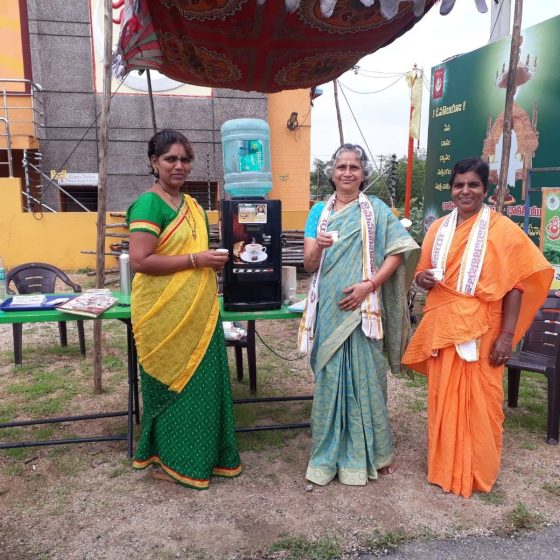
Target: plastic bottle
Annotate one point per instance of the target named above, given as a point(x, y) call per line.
point(246, 155)
point(3, 292)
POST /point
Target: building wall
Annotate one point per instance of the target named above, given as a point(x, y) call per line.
point(61, 61)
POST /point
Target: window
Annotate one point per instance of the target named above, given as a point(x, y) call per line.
point(204, 192)
point(85, 194)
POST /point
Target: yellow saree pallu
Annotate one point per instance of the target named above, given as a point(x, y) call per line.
point(187, 420)
point(174, 316)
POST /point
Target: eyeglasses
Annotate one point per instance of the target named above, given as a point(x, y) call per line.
point(175, 159)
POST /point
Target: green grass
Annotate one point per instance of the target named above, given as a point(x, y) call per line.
point(520, 518)
point(496, 497)
point(418, 405)
point(419, 381)
point(530, 414)
point(386, 542)
point(299, 547)
point(552, 488)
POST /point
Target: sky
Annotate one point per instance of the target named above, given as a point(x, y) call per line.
point(383, 116)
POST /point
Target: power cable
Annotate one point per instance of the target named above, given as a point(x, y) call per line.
point(496, 20)
point(301, 356)
point(361, 133)
point(377, 91)
point(81, 139)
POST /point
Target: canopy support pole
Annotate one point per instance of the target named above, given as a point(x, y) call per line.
point(339, 119)
point(102, 191)
point(151, 96)
point(508, 110)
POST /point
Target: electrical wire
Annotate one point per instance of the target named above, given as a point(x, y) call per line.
point(359, 70)
point(356, 121)
point(496, 20)
point(376, 91)
point(301, 356)
point(81, 139)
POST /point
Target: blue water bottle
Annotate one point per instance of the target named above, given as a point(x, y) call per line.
point(246, 155)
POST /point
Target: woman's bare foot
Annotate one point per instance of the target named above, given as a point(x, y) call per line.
point(158, 474)
point(389, 469)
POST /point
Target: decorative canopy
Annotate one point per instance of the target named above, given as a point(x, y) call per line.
point(258, 45)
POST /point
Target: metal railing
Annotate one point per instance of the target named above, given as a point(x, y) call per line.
point(14, 114)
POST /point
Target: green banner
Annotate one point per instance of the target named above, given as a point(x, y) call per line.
point(550, 231)
point(467, 100)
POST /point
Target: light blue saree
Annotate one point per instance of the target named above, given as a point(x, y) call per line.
point(349, 421)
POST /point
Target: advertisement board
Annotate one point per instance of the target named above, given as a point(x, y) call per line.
point(550, 231)
point(467, 99)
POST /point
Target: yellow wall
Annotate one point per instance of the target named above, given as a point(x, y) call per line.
point(22, 130)
point(11, 47)
point(55, 238)
point(290, 155)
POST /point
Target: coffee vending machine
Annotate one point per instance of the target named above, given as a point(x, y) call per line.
point(252, 231)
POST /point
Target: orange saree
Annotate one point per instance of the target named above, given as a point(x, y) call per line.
point(465, 399)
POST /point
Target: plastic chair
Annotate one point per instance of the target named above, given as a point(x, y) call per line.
point(540, 353)
point(41, 278)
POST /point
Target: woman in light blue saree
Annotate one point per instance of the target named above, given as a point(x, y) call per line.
point(356, 308)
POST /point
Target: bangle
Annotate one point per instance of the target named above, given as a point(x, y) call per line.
point(372, 283)
point(417, 277)
point(507, 332)
point(194, 260)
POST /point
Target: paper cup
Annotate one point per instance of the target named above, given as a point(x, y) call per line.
point(334, 235)
point(438, 273)
point(224, 251)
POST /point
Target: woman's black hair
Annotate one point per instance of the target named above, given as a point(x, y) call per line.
point(162, 140)
point(476, 165)
point(367, 168)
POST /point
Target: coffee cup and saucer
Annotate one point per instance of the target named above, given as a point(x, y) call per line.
point(254, 252)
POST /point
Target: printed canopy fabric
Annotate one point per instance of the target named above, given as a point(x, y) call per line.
point(257, 45)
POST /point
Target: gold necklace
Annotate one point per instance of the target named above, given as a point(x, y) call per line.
point(184, 213)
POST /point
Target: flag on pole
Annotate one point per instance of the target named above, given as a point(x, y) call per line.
point(414, 79)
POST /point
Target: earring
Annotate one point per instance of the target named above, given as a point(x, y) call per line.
point(156, 173)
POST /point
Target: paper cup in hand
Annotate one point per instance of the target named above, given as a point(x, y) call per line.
point(438, 273)
point(224, 251)
point(334, 235)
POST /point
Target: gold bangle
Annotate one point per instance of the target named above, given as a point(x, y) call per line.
point(372, 283)
point(194, 260)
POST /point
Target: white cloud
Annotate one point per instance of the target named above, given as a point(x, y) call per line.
point(383, 117)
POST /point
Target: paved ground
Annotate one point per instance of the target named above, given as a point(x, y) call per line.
point(542, 545)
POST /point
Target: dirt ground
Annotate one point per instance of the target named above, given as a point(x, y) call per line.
point(85, 502)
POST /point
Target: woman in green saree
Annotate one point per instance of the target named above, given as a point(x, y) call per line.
point(187, 419)
point(356, 306)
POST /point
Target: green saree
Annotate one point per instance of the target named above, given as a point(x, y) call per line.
point(187, 418)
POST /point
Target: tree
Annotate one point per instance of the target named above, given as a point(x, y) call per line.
point(319, 184)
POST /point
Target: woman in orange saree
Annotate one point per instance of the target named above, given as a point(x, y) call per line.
point(472, 318)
